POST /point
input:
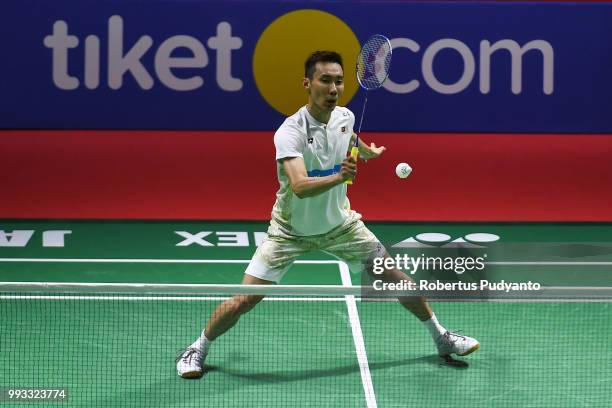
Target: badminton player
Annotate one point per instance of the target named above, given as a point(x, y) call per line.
point(312, 211)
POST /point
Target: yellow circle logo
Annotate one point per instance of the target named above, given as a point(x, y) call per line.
point(282, 49)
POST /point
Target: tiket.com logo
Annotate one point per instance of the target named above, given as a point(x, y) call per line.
point(123, 59)
point(290, 36)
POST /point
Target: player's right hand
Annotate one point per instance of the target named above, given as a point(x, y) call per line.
point(348, 171)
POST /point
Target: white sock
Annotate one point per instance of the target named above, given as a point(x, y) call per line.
point(202, 343)
point(435, 328)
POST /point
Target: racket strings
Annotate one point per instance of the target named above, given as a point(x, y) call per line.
point(373, 62)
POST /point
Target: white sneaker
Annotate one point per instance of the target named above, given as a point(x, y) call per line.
point(450, 342)
point(189, 363)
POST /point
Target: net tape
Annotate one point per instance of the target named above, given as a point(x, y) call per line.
point(545, 294)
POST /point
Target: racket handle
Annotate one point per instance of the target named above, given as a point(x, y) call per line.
point(354, 154)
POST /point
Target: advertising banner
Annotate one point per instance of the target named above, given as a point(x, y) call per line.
point(238, 65)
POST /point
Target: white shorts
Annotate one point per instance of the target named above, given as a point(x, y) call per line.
point(351, 242)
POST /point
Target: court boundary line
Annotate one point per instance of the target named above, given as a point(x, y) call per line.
point(163, 298)
point(360, 349)
point(288, 299)
point(242, 261)
point(550, 263)
point(152, 260)
point(155, 298)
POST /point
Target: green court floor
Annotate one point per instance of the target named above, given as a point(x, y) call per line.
point(295, 353)
point(291, 352)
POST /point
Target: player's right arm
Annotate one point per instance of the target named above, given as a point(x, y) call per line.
point(304, 186)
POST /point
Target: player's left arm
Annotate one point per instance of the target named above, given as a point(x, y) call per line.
point(367, 152)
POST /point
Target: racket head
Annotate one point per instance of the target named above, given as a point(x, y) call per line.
point(374, 62)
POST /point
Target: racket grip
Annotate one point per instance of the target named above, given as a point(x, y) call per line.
point(355, 154)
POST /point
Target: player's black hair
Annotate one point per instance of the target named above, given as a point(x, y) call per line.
point(320, 56)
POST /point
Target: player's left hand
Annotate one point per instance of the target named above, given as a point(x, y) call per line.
point(370, 152)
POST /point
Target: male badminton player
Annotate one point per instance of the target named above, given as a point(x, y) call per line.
point(312, 211)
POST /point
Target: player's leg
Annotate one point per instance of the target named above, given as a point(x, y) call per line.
point(226, 314)
point(417, 305)
point(189, 364)
point(358, 246)
point(446, 341)
point(269, 263)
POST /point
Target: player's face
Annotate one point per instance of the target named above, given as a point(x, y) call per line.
point(326, 86)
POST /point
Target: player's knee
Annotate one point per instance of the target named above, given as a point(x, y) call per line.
point(243, 303)
point(409, 301)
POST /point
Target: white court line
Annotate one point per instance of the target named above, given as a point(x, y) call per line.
point(288, 299)
point(364, 368)
point(245, 261)
point(550, 263)
point(124, 260)
point(163, 298)
point(154, 298)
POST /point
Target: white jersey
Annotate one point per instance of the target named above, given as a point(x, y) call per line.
point(323, 148)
